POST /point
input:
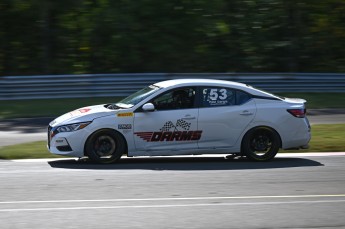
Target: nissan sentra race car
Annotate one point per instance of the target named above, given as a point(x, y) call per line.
point(181, 117)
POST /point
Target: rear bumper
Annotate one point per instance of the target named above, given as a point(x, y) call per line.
point(300, 137)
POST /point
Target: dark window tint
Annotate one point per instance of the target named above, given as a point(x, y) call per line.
point(242, 97)
point(217, 96)
point(181, 98)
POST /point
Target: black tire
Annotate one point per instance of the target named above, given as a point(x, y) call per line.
point(261, 144)
point(105, 146)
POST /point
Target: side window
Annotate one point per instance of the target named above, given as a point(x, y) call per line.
point(217, 96)
point(242, 97)
point(181, 98)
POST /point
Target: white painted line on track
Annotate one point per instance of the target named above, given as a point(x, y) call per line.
point(311, 154)
point(172, 205)
point(175, 198)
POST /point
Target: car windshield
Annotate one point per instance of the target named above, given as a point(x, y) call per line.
point(137, 97)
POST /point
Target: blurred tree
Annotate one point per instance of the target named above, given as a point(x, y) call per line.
point(104, 36)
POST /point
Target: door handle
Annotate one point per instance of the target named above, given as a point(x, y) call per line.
point(188, 117)
point(246, 113)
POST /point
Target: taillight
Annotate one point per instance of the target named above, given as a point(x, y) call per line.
point(299, 113)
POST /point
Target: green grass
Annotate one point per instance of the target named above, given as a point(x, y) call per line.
point(57, 107)
point(26, 151)
point(319, 100)
point(325, 138)
point(47, 107)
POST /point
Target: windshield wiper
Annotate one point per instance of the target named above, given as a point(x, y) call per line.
point(123, 105)
point(113, 106)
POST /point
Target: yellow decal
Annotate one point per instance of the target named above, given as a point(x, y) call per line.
point(128, 114)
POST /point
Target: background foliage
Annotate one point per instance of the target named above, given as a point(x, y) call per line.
point(104, 36)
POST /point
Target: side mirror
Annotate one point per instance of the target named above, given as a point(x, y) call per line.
point(148, 107)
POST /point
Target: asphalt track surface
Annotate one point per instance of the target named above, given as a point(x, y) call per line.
point(292, 191)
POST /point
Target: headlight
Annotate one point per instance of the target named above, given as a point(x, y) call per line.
point(70, 128)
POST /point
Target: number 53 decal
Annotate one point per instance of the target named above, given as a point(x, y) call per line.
point(216, 94)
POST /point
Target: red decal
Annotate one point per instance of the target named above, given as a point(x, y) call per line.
point(84, 110)
point(170, 136)
point(145, 135)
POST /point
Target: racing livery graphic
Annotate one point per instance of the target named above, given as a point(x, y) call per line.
point(179, 124)
point(172, 132)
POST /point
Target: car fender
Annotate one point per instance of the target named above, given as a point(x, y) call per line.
point(261, 124)
point(123, 125)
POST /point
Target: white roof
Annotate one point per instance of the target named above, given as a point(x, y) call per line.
point(212, 82)
point(191, 82)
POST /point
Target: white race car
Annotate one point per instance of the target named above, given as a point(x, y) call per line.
point(184, 116)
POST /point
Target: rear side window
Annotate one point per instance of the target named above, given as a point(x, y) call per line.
point(242, 97)
point(218, 96)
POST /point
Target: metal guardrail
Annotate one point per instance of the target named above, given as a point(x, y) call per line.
point(107, 85)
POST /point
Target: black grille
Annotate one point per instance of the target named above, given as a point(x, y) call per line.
point(64, 148)
point(49, 129)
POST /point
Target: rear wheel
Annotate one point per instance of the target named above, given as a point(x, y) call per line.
point(261, 144)
point(105, 146)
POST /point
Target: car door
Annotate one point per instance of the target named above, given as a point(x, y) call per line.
point(172, 126)
point(224, 114)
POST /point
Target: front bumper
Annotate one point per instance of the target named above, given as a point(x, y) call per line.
point(67, 143)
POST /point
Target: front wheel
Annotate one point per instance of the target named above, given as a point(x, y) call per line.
point(105, 146)
point(261, 144)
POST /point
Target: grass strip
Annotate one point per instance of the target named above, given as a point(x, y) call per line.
point(30, 150)
point(319, 100)
point(325, 138)
point(47, 107)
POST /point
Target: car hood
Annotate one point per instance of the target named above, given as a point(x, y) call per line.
point(84, 114)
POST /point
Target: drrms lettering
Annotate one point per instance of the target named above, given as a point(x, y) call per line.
point(170, 136)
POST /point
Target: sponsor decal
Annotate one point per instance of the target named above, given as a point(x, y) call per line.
point(170, 136)
point(217, 97)
point(79, 111)
point(127, 114)
point(125, 126)
point(172, 132)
